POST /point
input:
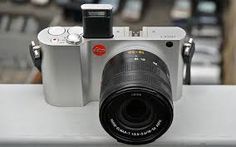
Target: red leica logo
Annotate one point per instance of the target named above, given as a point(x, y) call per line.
point(99, 50)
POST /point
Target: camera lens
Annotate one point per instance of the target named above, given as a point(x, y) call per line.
point(135, 111)
point(136, 100)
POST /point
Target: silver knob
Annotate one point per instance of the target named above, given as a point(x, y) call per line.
point(56, 31)
point(74, 39)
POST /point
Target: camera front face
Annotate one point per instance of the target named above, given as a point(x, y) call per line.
point(135, 79)
point(136, 98)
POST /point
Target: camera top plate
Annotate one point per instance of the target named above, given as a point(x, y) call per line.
point(57, 36)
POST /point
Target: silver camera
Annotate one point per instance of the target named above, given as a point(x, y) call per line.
point(134, 76)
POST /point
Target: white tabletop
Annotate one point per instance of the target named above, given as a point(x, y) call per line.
point(204, 116)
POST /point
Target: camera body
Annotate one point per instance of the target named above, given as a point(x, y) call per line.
point(134, 76)
point(72, 73)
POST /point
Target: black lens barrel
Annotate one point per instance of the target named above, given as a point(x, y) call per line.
point(136, 99)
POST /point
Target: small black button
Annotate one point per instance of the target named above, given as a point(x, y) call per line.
point(169, 44)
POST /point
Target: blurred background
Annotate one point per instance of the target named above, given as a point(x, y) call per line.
point(212, 23)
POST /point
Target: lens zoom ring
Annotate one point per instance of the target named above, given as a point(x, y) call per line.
point(139, 67)
point(154, 83)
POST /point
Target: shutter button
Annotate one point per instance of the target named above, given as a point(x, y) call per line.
point(74, 39)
